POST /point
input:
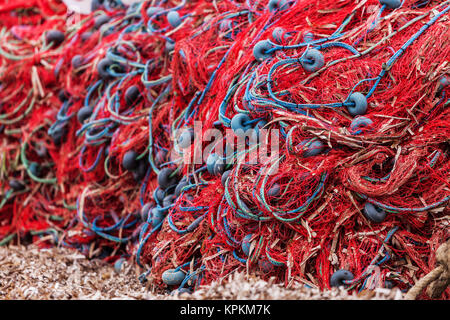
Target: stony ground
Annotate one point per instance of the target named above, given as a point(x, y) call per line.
point(29, 273)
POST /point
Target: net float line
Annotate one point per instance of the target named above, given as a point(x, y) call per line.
point(356, 195)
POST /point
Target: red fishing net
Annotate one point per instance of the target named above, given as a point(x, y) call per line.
point(352, 190)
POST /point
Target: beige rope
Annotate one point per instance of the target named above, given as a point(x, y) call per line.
point(438, 279)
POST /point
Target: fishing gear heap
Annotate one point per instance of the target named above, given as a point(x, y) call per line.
point(103, 117)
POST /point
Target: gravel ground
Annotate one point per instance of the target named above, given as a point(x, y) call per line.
point(29, 273)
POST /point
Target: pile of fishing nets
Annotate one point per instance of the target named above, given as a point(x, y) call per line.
point(302, 140)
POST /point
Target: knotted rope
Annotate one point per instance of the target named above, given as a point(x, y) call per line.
point(438, 279)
